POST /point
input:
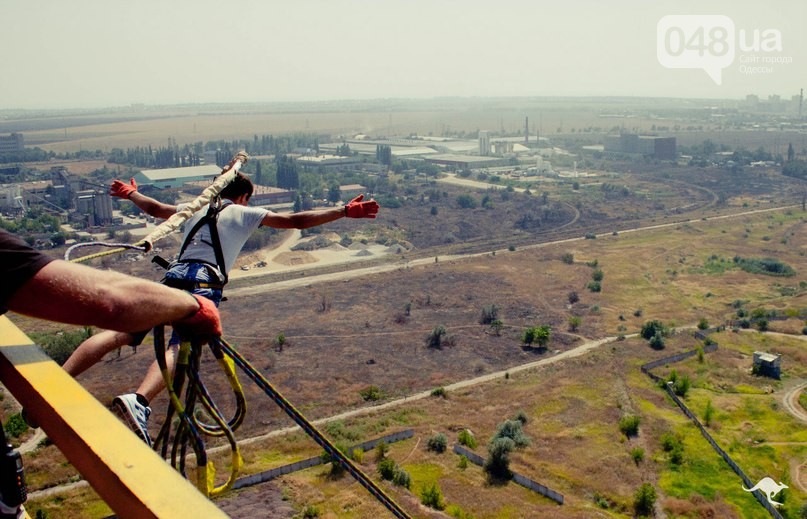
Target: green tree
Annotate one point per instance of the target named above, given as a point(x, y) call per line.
point(334, 193)
point(651, 328)
point(644, 500)
point(497, 464)
point(466, 202)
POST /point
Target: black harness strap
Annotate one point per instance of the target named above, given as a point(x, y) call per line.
point(210, 219)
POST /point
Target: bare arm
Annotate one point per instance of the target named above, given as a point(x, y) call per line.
point(151, 206)
point(76, 294)
point(304, 219)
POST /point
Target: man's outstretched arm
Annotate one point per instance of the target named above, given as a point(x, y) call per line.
point(356, 208)
point(147, 204)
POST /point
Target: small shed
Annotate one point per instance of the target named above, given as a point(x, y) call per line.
point(768, 364)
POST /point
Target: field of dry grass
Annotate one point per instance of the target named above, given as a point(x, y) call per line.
point(573, 406)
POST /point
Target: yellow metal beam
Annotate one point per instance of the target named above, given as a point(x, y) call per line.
point(131, 478)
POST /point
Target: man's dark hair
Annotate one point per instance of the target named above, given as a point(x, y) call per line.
point(241, 185)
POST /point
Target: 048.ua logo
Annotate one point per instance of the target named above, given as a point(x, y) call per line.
point(708, 42)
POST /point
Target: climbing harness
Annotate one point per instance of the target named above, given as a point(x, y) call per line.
point(190, 428)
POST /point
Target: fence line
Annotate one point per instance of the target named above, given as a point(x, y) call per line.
point(668, 387)
point(263, 477)
point(524, 481)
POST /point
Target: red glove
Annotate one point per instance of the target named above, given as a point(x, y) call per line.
point(358, 209)
point(204, 322)
point(122, 189)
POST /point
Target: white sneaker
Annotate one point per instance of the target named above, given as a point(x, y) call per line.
point(134, 414)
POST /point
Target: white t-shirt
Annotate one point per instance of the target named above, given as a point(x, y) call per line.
point(236, 223)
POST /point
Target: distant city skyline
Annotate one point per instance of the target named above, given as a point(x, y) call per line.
point(93, 53)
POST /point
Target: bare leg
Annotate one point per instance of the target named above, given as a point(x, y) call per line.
point(91, 351)
point(153, 383)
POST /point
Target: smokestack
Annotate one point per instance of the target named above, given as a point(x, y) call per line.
point(526, 130)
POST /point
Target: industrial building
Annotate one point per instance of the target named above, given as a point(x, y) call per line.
point(12, 143)
point(176, 177)
point(661, 148)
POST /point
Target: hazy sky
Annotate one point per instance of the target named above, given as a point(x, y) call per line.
point(96, 53)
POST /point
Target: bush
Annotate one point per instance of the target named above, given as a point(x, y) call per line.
point(462, 464)
point(381, 451)
point(15, 425)
point(703, 323)
point(59, 346)
point(497, 464)
point(651, 328)
point(401, 478)
point(657, 342)
point(386, 469)
point(435, 338)
point(489, 314)
point(681, 386)
point(432, 497)
point(467, 438)
point(521, 416)
point(466, 202)
point(567, 258)
point(512, 429)
point(371, 394)
point(645, 500)
point(637, 455)
point(439, 391)
point(594, 286)
point(629, 425)
point(437, 443)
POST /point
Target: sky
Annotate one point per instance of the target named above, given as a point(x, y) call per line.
point(109, 53)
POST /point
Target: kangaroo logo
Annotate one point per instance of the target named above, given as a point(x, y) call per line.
point(768, 487)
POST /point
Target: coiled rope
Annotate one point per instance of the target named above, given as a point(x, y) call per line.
point(189, 430)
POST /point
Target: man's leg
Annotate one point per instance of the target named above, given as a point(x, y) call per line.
point(134, 407)
point(91, 351)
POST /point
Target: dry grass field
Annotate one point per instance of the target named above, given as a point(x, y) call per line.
point(573, 406)
point(666, 251)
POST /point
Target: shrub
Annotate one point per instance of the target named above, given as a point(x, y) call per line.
point(357, 455)
point(490, 313)
point(437, 443)
point(703, 323)
point(386, 469)
point(594, 286)
point(645, 500)
point(512, 429)
point(467, 438)
point(401, 478)
point(567, 258)
point(681, 386)
point(432, 497)
point(439, 391)
point(462, 464)
point(466, 201)
point(435, 338)
point(637, 455)
point(15, 425)
point(371, 394)
point(657, 342)
point(59, 346)
point(497, 464)
point(381, 451)
point(597, 275)
point(651, 328)
point(629, 425)
point(521, 416)
point(310, 512)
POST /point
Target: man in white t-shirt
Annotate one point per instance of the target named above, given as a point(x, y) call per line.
point(211, 245)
